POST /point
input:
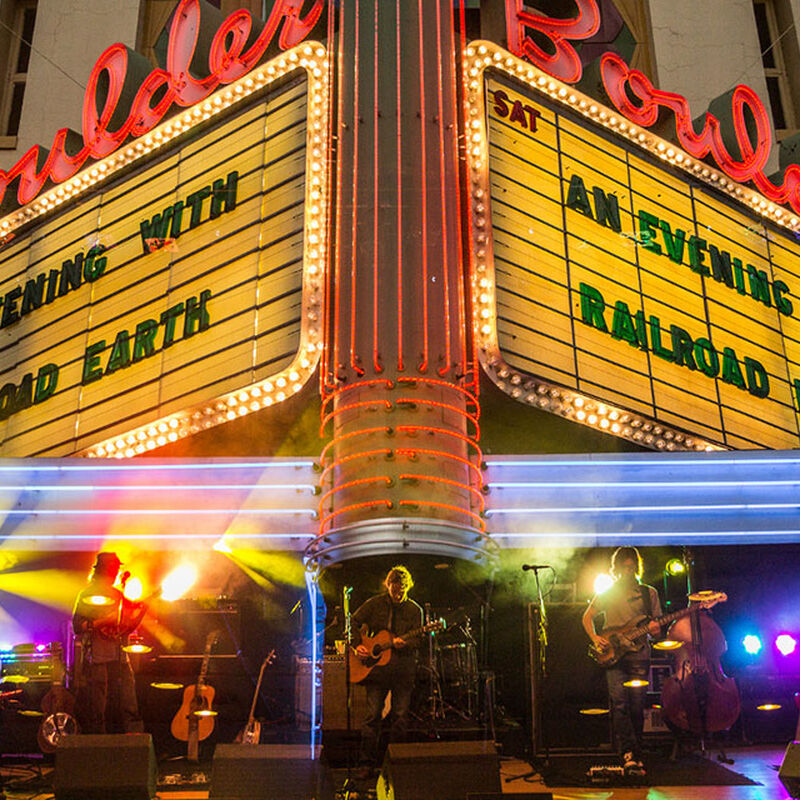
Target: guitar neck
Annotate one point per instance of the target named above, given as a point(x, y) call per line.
point(665, 620)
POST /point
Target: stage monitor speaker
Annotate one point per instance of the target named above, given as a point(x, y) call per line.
point(102, 766)
point(789, 772)
point(444, 770)
point(267, 771)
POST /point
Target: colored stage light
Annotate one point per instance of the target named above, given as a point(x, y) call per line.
point(752, 644)
point(636, 683)
point(675, 567)
point(602, 583)
point(786, 644)
point(133, 589)
point(179, 581)
point(769, 707)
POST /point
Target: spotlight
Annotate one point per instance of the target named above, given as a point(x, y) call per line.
point(769, 707)
point(675, 567)
point(602, 583)
point(786, 644)
point(636, 683)
point(752, 644)
point(667, 644)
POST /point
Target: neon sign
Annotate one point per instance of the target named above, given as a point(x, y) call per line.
point(742, 157)
point(228, 61)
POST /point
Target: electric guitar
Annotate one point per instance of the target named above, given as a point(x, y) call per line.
point(629, 638)
point(190, 724)
point(251, 733)
point(380, 649)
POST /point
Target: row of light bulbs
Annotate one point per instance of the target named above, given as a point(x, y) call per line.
point(535, 392)
point(313, 58)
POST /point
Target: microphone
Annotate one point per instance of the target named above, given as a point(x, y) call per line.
point(535, 567)
point(123, 579)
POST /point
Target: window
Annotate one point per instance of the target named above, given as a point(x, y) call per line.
point(19, 29)
point(773, 59)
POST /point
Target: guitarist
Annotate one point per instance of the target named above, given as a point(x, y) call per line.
point(395, 612)
point(102, 618)
point(625, 601)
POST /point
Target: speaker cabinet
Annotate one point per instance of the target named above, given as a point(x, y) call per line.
point(789, 773)
point(573, 682)
point(102, 766)
point(334, 696)
point(444, 770)
point(267, 771)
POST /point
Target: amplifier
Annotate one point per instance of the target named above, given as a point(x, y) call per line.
point(33, 662)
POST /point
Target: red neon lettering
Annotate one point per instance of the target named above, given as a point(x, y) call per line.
point(635, 96)
point(226, 61)
point(564, 63)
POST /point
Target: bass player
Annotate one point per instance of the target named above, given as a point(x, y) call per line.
point(625, 601)
point(395, 612)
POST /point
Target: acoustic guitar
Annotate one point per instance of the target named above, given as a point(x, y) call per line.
point(251, 733)
point(380, 649)
point(193, 722)
point(629, 638)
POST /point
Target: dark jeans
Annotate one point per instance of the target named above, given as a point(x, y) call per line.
point(107, 699)
point(397, 677)
point(627, 703)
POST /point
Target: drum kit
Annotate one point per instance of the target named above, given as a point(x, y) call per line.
point(448, 676)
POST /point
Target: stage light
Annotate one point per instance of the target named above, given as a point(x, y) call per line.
point(769, 707)
point(179, 581)
point(98, 600)
point(786, 644)
point(675, 567)
point(636, 683)
point(165, 685)
point(667, 644)
point(6, 648)
point(221, 546)
point(602, 583)
point(752, 644)
point(593, 712)
point(133, 589)
point(136, 645)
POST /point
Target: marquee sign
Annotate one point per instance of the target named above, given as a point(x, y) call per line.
point(184, 292)
point(613, 284)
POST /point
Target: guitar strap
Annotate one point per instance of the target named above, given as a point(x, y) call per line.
point(647, 601)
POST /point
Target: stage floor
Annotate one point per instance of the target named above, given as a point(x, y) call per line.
point(759, 763)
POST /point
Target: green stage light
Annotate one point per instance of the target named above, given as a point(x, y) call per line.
point(675, 567)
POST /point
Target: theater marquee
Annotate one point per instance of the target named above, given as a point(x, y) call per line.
point(613, 284)
point(184, 289)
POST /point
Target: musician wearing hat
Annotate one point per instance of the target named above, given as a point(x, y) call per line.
point(103, 618)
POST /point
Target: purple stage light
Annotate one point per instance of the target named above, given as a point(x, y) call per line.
point(786, 644)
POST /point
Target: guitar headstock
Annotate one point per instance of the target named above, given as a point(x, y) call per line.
point(437, 626)
point(271, 656)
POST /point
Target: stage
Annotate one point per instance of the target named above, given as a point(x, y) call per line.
point(759, 764)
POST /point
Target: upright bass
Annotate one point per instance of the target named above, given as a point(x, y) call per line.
point(698, 697)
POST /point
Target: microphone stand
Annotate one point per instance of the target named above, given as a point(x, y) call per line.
point(348, 629)
point(538, 666)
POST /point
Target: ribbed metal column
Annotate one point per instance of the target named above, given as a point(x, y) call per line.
point(402, 470)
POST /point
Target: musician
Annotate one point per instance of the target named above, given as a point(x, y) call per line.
point(395, 612)
point(103, 618)
point(626, 601)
